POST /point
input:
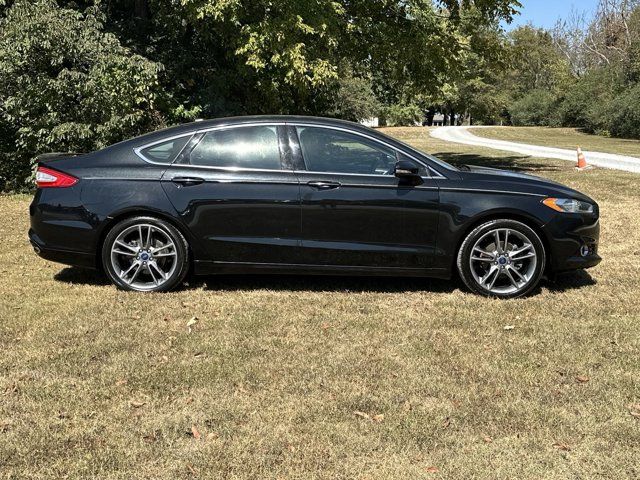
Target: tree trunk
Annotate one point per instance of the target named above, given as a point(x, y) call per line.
point(141, 9)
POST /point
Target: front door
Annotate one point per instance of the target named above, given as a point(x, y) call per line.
point(355, 212)
point(236, 195)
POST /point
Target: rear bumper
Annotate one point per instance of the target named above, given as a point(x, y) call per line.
point(67, 257)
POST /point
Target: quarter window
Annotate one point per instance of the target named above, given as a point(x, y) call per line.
point(165, 152)
point(241, 147)
point(328, 150)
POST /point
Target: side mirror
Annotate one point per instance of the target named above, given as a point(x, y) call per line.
point(406, 169)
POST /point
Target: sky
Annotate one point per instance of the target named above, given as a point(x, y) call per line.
point(544, 13)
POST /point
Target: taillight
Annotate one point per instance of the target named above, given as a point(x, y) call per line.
point(49, 178)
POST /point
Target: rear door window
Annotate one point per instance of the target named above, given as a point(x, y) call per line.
point(240, 147)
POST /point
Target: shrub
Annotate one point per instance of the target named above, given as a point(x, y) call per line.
point(625, 114)
point(401, 115)
point(65, 85)
point(534, 109)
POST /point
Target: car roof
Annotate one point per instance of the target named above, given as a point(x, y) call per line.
point(250, 119)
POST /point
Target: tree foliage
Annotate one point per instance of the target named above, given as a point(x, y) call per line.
point(79, 74)
point(66, 85)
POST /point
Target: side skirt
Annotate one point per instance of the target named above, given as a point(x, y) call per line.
point(213, 268)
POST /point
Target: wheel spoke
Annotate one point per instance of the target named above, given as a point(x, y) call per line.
point(493, 272)
point(506, 238)
point(511, 279)
point(153, 277)
point(158, 270)
point(135, 274)
point(140, 234)
point(520, 276)
point(524, 257)
point(128, 254)
point(124, 273)
point(128, 247)
point(496, 234)
point(170, 254)
point(521, 250)
point(155, 252)
point(479, 259)
point(148, 243)
point(482, 251)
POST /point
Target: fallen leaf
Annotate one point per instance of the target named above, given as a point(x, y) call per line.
point(188, 400)
point(487, 439)
point(509, 327)
point(136, 404)
point(195, 432)
point(191, 323)
point(198, 354)
point(446, 423)
point(212, 436)
point(432, 469)
point(192, 470)
point(121, 382)
point(362, 415)
point(634, 410)
point(378, 418)
point(291, 448)
point(562, 446)
point(325, 325)
point(582, 379)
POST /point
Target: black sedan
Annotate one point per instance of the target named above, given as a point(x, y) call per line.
point(302, 195)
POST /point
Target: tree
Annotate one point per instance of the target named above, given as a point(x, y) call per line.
point(65, 85)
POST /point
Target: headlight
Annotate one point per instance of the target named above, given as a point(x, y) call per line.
point(568, 205)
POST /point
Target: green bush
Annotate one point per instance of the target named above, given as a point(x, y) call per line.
point(534, 109)
point(587, 104)
point(65, 85)
point(625, 114)
point(402, 115)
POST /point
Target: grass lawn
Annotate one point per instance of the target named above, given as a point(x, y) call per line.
point(561, 138)
point(332, 378)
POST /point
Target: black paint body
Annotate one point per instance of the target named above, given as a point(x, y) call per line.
point(243, 220)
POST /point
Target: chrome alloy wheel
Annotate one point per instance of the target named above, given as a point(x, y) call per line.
point(144, 256)
point(503, 261)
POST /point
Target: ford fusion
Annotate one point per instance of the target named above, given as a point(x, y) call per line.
point(302, 195)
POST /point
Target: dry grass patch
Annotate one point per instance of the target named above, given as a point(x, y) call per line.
point(99, 383)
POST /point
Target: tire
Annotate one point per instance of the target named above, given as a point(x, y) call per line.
point(507, 266)
point(145, 254)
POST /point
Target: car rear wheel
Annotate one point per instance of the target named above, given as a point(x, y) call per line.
point(145, 254)
point(502, 258)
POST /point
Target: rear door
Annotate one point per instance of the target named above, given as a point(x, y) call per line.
point(238, 195)
point(355, 212)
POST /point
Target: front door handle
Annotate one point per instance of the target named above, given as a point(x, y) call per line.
point(187, 181)
point(324, 185)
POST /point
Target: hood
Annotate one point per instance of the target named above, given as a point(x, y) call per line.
point(522, 182)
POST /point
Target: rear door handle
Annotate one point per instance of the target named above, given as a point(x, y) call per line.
point(187, 181)
point(324, 185)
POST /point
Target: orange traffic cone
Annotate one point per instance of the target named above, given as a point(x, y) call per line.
point(582, 161)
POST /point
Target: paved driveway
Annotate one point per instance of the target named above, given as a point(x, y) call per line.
point(607, 160)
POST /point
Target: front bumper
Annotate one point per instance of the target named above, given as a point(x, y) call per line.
point(573, 241)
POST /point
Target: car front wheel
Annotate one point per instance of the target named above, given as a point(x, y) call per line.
point(501, 258)
point(145, 254)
